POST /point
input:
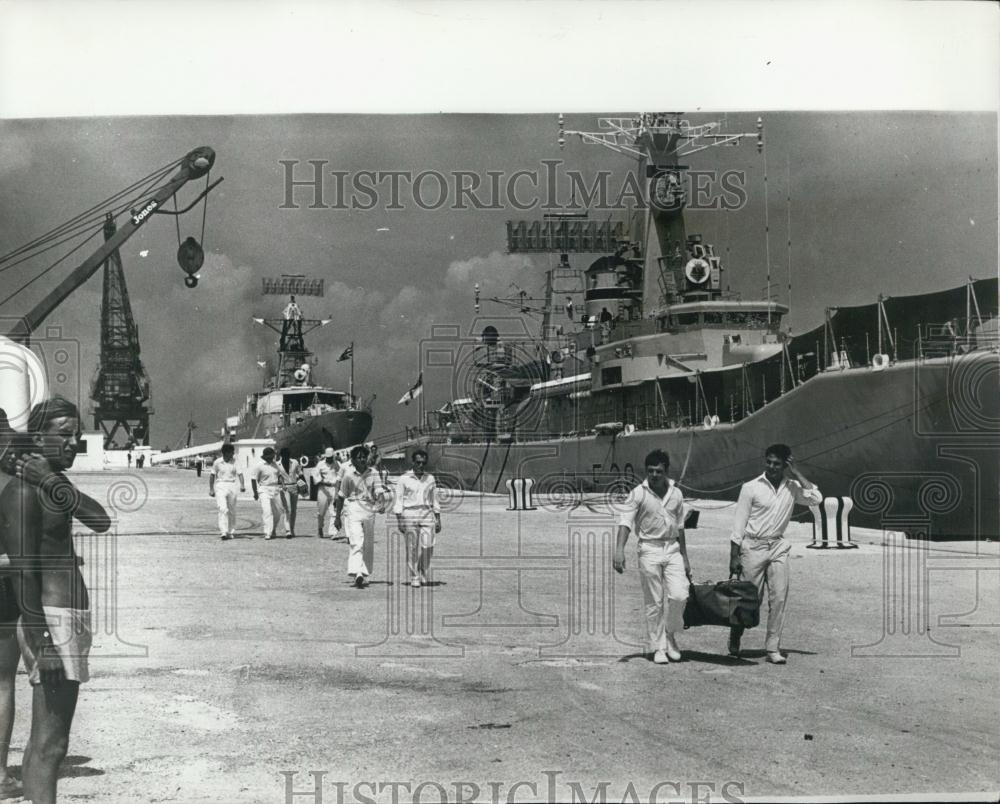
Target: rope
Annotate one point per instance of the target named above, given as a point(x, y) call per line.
point(51, 267)
point(204, 211)
point(177, 220)
point(95, 212)
point(76, 227)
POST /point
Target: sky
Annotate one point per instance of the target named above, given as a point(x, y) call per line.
point(873, 201)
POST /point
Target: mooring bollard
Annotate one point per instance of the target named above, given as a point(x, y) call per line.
point(833, 518)
point(519, 492)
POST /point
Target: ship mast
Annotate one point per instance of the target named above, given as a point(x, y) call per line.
point(293, 355)
point(657, 141)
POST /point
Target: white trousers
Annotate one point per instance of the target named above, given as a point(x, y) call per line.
point(272, 510)
point(325, 495)
point(664, 590)
point(225, 501)
point(360, 533)
point(766, 563)
point(418, 530)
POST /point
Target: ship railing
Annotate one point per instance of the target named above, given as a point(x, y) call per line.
point(957, 336)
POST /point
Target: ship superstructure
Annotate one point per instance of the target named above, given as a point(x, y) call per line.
point(654, 351)
point(292, 408)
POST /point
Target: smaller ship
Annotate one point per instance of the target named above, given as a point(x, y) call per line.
point(295, 411)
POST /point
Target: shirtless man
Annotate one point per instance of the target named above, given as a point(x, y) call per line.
point(54, 630)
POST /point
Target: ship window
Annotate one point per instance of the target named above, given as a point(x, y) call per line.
point(714, 318)
point(611, 376)
point(687, 318)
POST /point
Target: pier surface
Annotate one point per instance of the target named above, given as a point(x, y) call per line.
point(230, 671)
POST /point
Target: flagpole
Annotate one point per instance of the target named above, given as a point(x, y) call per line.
point(351, 389)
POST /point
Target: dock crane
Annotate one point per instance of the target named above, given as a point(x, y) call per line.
point(194, 165)
point(146, 202)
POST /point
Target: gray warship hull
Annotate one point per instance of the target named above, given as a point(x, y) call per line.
point(915, 445)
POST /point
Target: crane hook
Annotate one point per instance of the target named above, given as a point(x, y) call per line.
point(190, 257)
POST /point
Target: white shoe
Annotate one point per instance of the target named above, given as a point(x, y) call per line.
point(659, 657)
point(775, 657)
point(673, 652)
point(415, 583)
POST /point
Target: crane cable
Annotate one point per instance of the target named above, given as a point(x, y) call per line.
point(79, 225)
point(82, 219)
point(204, 212)
point(72, 231)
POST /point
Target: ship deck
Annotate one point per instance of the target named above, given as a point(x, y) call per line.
point(220, 665)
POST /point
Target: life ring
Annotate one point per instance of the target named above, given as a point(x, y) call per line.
point(879, 362)
point(697, 271)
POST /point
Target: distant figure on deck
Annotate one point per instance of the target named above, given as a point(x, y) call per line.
point(222, 485)
point(418, 516)
point(36, 517)
point(758, 548)
point(197, 466)
point(292, 323)
point(140, 460)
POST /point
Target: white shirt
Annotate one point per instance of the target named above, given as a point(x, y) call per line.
point(652, 516)
point(225, 472)
point(292, 312)
point(269, 476)
point(359, 492)
point(763, 512)
point(329, 473)
point(416, 495)
point(294, 471)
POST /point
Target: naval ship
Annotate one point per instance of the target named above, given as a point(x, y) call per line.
point(292, 408)
point(892, 404)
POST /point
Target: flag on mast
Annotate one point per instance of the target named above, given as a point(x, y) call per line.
point(414, 392)
point(347, 354)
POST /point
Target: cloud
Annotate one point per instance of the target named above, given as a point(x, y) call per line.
point(494, 272)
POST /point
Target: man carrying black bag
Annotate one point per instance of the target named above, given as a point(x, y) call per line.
point(655, 511)
point(758, 551)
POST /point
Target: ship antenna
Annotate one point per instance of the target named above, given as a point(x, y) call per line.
point(788, 173)
point(767, 231)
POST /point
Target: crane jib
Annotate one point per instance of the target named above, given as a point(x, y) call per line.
point(141, 215)
point(196, 164)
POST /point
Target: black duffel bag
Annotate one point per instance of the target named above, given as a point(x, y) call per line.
point(725, 603)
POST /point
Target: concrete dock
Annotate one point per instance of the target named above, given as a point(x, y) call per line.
point(253, 671)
